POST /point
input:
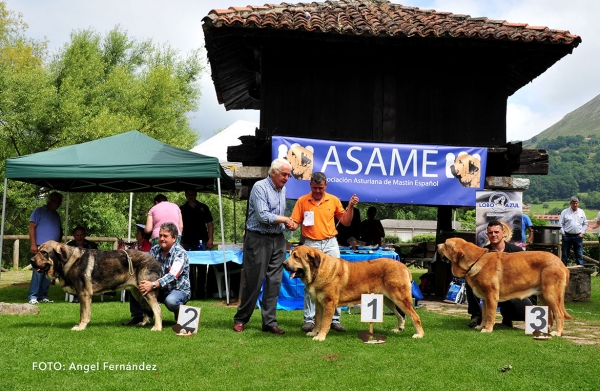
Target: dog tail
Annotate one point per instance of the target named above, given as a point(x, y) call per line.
point(563, 309)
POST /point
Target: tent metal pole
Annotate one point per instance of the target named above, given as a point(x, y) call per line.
point(65, 231)
point(223, 239)
point(234, 218)
point(2, 225)
point(130, 208)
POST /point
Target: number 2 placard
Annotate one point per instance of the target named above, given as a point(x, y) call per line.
point(371, 308)
point(189, 317)
point(536, 318)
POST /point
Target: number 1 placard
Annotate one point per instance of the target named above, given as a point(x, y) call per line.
point(371, 308)
point(189, 317)
point(536, 318)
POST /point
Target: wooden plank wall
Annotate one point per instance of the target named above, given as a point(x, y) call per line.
point(413, 95)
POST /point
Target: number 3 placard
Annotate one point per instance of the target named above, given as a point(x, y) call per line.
point(189, 317)
point(371, 308)
point(536, 318)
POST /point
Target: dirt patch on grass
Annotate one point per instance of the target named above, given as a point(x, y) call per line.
point(577, 331)
point(19, 277)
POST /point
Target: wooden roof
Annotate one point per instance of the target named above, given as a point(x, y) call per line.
point(234, 37)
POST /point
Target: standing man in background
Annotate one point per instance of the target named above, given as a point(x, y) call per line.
point(596, 225)
point(44, 225)
point(526, 230)
point(162, 212)
point(198, 223)
point(573, 225)
point(316, 212)
point(264, 247)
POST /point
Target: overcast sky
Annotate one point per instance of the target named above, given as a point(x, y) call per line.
point(567, 85)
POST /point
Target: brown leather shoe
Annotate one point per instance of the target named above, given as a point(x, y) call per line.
point(238, 327)
point(273, 329)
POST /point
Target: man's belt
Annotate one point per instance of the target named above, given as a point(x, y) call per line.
point(265, 233)
point(319, 240)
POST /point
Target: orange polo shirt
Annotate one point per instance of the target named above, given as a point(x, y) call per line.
point(324, 227)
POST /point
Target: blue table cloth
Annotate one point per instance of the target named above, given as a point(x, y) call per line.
point(215, 257)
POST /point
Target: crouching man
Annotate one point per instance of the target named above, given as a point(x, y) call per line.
point(174, 285)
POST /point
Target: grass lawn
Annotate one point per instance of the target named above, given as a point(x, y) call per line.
point(450, 356)
point(591, 214)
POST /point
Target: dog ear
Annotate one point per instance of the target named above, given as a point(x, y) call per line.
point(314, 258)
point(60, 250)
point(305, 160)
point(473, 168)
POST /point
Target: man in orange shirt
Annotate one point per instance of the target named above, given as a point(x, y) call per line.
point(316, 211)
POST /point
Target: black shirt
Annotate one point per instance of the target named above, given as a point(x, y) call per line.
point(194, 223)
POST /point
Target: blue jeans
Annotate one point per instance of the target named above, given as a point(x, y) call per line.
point(39, 286)
point(172, 300)
point(329, 247)
point(576, 242)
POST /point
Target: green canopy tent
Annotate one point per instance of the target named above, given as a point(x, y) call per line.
point(129, 162)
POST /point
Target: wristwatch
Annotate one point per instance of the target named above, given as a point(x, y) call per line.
point(153, 285)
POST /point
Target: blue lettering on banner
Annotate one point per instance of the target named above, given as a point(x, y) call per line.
point(377, 172)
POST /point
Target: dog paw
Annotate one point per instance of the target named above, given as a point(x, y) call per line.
point(486, 330)
point(555, 334)
point(397, 330)
point(319, 338)
point(311, 333)
point(417, 336)
point(157, 328)
point(78, 328)
point(479, 327)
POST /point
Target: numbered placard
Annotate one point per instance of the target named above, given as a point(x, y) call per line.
point(189, 317)
point(371, 308)
point(536, 318)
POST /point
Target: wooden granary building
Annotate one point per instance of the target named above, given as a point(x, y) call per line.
point(374, 71)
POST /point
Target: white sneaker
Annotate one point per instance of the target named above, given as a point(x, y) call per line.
point(33, 301)
point(46, 301)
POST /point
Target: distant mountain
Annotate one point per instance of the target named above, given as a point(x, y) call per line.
point(584, 121)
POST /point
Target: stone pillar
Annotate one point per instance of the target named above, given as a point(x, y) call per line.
point(580, 284)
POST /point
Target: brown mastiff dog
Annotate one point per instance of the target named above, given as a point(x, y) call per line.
point(498, 276)
point(333, 282)
point(86, 273)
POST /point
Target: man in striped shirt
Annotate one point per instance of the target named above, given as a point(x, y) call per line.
point(264, 248)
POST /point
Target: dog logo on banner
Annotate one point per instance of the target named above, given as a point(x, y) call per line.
point(465, 168)
point(301, 159)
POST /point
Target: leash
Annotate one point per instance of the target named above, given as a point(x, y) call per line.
point(129, 261)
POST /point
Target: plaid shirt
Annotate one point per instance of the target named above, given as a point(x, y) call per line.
point(266, 203)
point(177, 277)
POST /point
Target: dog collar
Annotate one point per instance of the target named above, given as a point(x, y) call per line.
point(471, 267)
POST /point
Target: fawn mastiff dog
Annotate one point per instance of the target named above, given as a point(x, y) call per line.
point(86, 273)
point(498, 276)
point(333, 282)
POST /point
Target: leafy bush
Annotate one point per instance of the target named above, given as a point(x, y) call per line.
point(391, 239)
point(423, 238)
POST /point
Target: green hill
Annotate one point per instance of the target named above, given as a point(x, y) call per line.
point(584, 121)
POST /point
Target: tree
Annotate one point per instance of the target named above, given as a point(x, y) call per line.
point(95, 86)
point(26, 92)
point(112, 84)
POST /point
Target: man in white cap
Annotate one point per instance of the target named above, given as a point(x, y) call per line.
point(573, 225)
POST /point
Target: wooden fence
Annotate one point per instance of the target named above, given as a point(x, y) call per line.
point(17, 241)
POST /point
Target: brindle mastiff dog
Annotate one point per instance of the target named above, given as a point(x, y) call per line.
point(333, 282)
point(86, 273)
point(499, 276)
